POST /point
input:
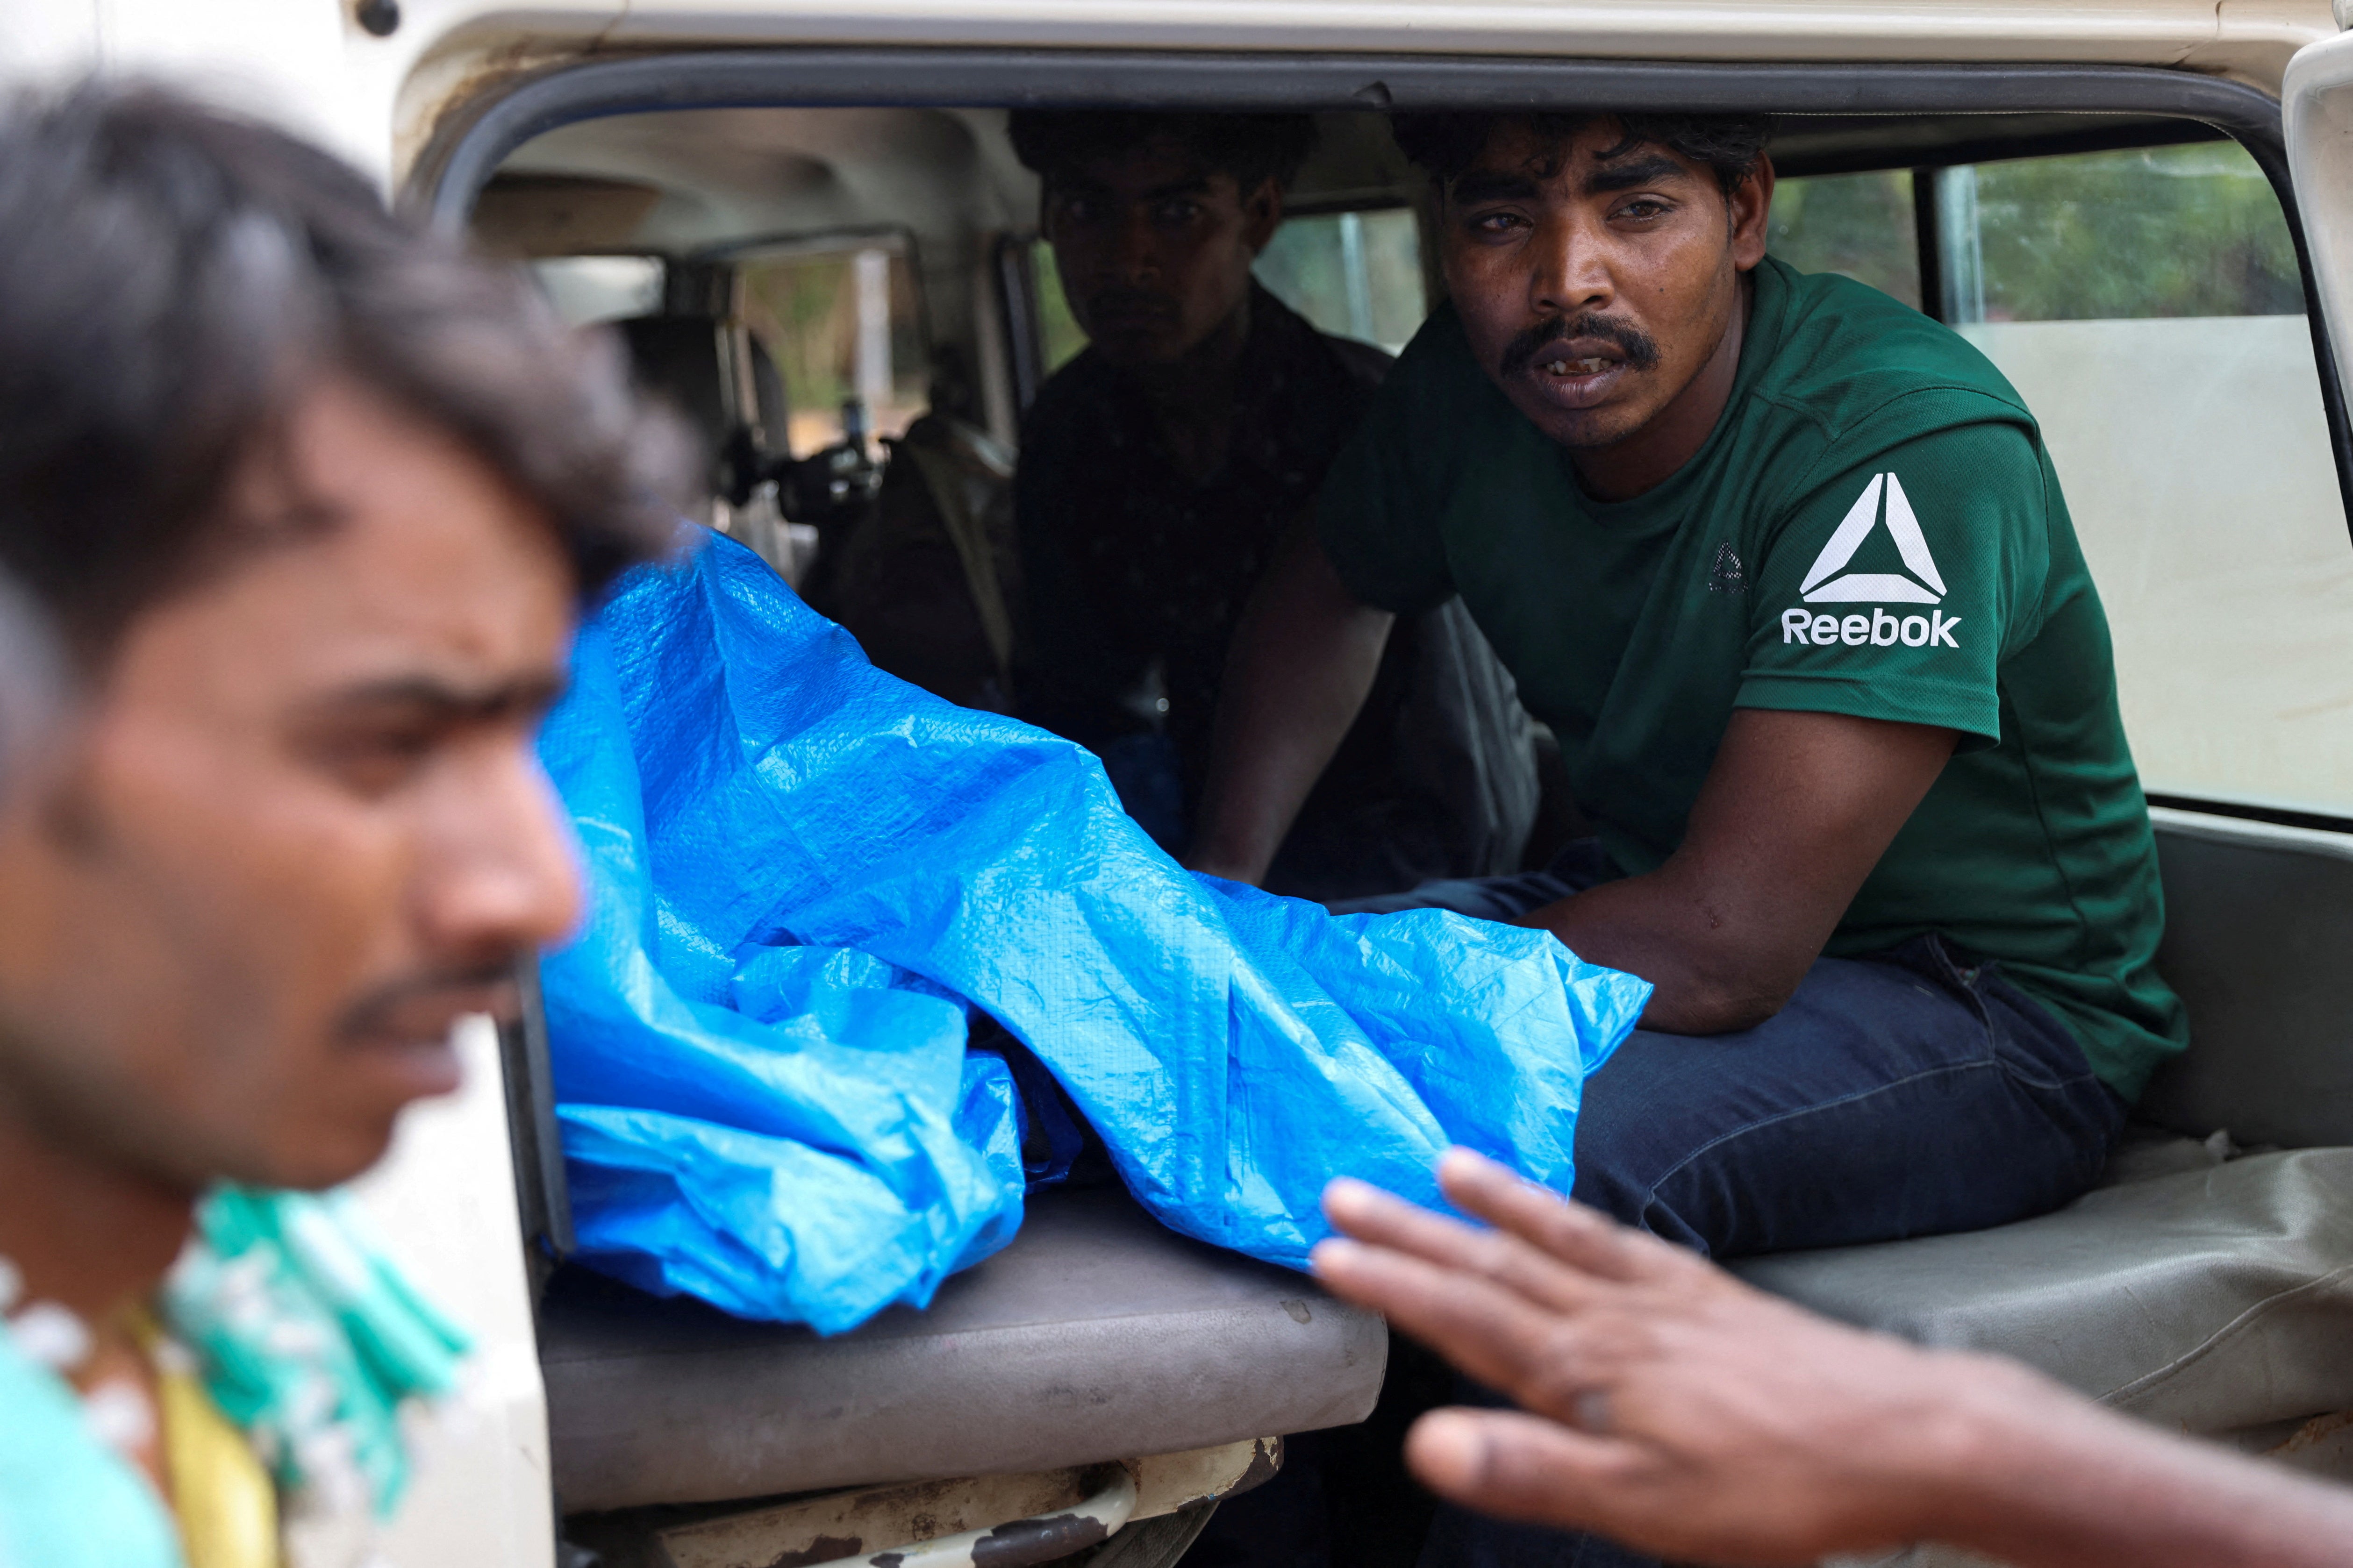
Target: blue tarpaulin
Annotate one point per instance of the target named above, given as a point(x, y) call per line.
point(804, 874)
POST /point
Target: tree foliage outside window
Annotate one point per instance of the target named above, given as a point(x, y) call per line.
point(802, 308)
point(2159, 231)
point(1857, 225)
point(1356, 274)
point(1060, 338)
point(2190, 230)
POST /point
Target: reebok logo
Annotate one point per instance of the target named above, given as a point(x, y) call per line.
point(1878, 628)
point(1828, 582)
point(1728, 575)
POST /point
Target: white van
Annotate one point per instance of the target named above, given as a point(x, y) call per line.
point(2143, 213)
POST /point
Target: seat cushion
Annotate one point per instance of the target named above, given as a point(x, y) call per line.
point(2208, 1301)
point(1097, 1335)
point(2257, 921)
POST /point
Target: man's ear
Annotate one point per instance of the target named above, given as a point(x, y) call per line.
point(1751, 204)
point(1262, 214)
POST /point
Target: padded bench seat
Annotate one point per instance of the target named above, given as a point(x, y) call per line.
point(2216, 1298)
point(1096, 1335)
point(2209, 1300)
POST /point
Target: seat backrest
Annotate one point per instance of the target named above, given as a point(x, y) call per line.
point(2259, 943)
point(688, 359)
point(678, 357)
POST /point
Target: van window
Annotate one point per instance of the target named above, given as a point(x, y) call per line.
point(1352, 274)
point(1861, 225)
point(2147, 306)
point(842, 322)
point(1058, 337)
point(2151, 232)
point(590, 289)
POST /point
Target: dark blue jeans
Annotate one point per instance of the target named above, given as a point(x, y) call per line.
point(1907, 1093)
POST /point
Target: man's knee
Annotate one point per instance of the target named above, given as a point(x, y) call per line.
point(1648, 1115)
point(1620, 1162)
point(1604, 1180)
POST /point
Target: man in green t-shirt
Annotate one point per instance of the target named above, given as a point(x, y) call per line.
point(1785, 566)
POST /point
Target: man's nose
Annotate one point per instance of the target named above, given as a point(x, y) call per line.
point(499, 872)
point(1136, 249)
point(1571, 271)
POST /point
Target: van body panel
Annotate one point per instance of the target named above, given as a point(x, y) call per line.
point(445, 1200)
point(2317, 106)
point(381, 101)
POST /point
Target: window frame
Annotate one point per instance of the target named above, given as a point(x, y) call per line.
point(458, 159)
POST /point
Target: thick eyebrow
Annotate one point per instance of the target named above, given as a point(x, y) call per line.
point(449, 702)
point(1194, 187)
point(1075, 186)
point(1655, 168)
point(1478, 185)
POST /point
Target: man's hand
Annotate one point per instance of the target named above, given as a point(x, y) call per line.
point(1796, 812)
point(1667, 1406)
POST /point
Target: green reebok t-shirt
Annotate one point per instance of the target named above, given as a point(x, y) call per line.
point(1872, 529)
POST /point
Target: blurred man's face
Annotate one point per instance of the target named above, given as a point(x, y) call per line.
point(1154, 250)
point(1594, 281)
point(301, 828)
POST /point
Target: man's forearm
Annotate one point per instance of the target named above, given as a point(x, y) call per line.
point(1705, 970)
point(1302, 662)
point(1796, 811)
point(2044, 1480)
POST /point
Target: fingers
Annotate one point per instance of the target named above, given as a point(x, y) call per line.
point(1569, 1233)
point(1517, 1465)
point(1490, 1332)
point(1387, 1221)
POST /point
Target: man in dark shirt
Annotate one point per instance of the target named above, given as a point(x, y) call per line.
point(1787, 568)
point(1161, 471)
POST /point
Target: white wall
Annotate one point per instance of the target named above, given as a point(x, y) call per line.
point(281, 58)
point(305, 64)
point(445, 1202)
point(2195, 459)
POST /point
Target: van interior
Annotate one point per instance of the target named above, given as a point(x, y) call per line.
point(829, 292)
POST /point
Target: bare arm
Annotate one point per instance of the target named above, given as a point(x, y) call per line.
point(1303, 659)
point(1796, 811)
point(1666, 1404)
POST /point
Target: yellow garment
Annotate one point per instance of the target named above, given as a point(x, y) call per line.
point(223, 1499)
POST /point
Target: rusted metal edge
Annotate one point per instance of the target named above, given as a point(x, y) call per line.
point(1022, 1542)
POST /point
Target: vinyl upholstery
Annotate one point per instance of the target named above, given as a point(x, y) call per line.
point(2208, 1301)
point(2212, 1297)
point(1096, 1335)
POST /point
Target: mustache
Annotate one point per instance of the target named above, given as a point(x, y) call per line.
point(377, 1012)
point(1126, 301)
point(1556, 331)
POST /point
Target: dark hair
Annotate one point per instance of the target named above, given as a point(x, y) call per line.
point(1446, 144)
point(1253, 148)
point(173, 280)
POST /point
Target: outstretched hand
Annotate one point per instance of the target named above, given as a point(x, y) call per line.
point(1663, 1403)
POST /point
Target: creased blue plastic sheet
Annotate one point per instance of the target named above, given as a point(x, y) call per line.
point(800, 870)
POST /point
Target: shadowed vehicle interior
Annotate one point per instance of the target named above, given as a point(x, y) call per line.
point(852, 306)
